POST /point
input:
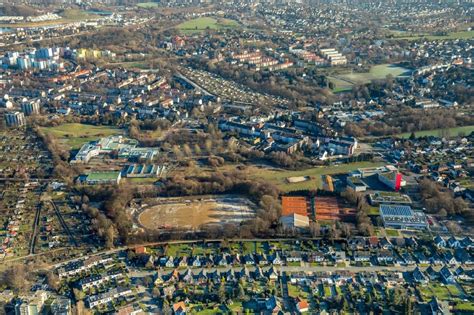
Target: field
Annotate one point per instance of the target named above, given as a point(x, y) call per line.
point(203, 23)
point(453, 132)
point(279, 177)
point(449, 36)
point(330, 208)
point(68, 16)
point(344, 82)
point(74, 135)
point(191, 213)
point(147, 5)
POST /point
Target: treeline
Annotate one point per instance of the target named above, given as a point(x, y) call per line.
point(17, 10)
point(441, 201)
point(112, 222)
point(407, 119)
point(146, 131)
point(358, 200)
point(59, 156)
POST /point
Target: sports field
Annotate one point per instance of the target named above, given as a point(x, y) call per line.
point(204, 23)
point(331, 208)
point(279, 177)
point(74, 135)
point(448, 36)
point(344, 82)
point(147, 5)
point(193, 212)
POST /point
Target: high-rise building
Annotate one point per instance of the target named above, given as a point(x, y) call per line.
point(15, 119)
point(30, 108)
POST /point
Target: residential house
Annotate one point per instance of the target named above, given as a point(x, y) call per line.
point(453, 242)
point(418, 276)
point(439, 241)
point(361, 256)
point(446, 275)
point(179, 308)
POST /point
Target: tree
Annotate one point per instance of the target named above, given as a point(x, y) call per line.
point(78, 294)
point(315, 229)
point(197, 149)
point(109, 237)
point(222, 291)
point(15, 278)
point(187, 150)
point(53, 280)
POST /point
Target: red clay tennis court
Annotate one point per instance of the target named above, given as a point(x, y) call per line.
point(330, 208)
point(298, 205)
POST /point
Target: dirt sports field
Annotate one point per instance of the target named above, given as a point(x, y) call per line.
point(330, 208)
point(187, 213)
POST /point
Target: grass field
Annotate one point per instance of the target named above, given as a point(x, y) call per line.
point(74, 135)
point(278, 177)
point(344, 82)
point(452, 35)
point(465, 307)
point(147, 5)
point(453, 132)
point(68, 16)
point(203, 23)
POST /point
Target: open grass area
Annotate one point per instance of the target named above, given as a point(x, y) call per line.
point(74, 135)
point(204, 23)
point(374, 210)
point(278, 177)
point(392, 233)
point(439, 291)
point(465, 307)
point(68, 16)
point(147, 5)
point(344, 82)
point(448, 36)
point(376, 73)
point(178, 250)
point(452, 132)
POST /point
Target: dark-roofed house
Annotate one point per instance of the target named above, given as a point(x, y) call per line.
point(446, 275)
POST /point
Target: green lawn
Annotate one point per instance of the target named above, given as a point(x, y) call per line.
point(455, 131)
point(340, 85)
point(147, 5)
point(344, 82)
point(248, 248)
point(465, 307)
point(278, 177)
point(391, 232)
point(375, 73)
point(74, 135)
point(435, 289)
point(102, 176)
point(327, 291)
point(374, 211)
point(293, 290)
point(451, 35)
point(178, 250)
point(203, 23)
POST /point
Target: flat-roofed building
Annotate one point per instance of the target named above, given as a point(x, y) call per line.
point(15, 119)
point(294, 220)
point(30, 108)
point(402, 217)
